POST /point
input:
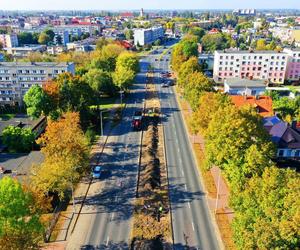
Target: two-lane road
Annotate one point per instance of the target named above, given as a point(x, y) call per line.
point(191, 219)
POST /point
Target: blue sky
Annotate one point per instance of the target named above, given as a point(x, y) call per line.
point(146, 4)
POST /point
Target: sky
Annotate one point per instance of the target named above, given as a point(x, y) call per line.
point(146, 4)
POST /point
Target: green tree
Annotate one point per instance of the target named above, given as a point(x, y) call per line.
point(197, 84)
point(37, 102)
point(46, 36)
point(189, 48)
point(198, 32)
point(129, 34)
point(20, 226)
point(212, 42)
point(18, 140)
point(27, 38)
point(123, 77)
point(128, 60)
point(100, 81)
point(267, 211)
point(177, 57)
point(188, 67)
point(229, 138)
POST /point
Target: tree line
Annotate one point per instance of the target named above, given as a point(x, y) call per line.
point(263, 196)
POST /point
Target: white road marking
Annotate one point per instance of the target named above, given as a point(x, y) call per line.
point(182, 172)
point(193, 226)
point(189, 205)
point(107, 240)
point(178, 150)
point(185, 187)
point(112, 216)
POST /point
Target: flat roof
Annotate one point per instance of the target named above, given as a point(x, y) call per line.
point(29, 64)
point(249, 52)
point(238, 82)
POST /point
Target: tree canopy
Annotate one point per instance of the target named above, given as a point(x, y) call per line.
point(20, 225)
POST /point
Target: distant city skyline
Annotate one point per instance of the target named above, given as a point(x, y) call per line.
point(153, 4)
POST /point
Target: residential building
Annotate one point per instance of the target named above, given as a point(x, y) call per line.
point(9, 41)
point(61, 36)
point(244, 12)
point(148, 36)
point(25, 50)
point(293, 65)
point(285, 136)
point(236, 86)
point(17, 77)
point(55, 50)
point(265, 65)
point(262, 104)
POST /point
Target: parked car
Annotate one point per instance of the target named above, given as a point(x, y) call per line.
point(97, 172)
point(165, 85)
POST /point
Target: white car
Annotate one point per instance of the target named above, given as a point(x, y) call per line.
point(97, 172)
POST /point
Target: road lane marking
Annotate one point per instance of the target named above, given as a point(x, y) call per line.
point(189, 205)
point(112, 216)
point(182, 172)
point(107, 240)
point(193, 226)
point(185, 187)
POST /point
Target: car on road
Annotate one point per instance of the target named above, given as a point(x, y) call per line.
point(165, 85)
point(161, 59)
point(97, 172)
point(156, 59)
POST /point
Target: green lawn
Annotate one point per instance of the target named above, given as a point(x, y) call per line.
point(105, 103)
point(7, 116)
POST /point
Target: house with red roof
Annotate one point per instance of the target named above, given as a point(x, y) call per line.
point(263, 104)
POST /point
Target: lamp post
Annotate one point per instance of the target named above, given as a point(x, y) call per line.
point(101, 121)
point(121, 95)
point(218, 189)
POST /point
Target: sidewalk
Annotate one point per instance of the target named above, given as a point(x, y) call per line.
point(66, 221)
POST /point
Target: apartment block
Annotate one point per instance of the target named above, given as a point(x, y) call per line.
point(9, 41)
point(61, 36)
point(17, 77)
point(147, 36)
point(265, 65)
point(293, 64)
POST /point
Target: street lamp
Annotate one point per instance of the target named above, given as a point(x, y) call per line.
point(121, 95)
point(101, 121)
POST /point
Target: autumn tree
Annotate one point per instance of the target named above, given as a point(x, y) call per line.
point(197, 84)
point(20, 225)
point(209, 104)
point(66, 155)
point(177, 57)
point(123, 77)
point(186, 68)
point(267, 211)
point(128, 60)
point(261, 44)
point(232, 135)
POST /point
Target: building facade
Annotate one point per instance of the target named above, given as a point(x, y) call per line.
point(147, 36)
point(293, 65)
point(264, 65)
point(17, 77)
point(9, 41)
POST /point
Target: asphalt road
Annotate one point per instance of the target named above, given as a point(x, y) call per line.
point(191, 218)
point(106, 217)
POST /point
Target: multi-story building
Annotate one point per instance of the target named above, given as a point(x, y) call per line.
point(148, 36)
point(17, 77)
point(293, 65)
point(9, 41)
point(265, 65)
point(61, 36)
point(25, 50)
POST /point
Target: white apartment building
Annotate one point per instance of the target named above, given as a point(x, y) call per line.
point(9, 41)
point(293, 64)
point(61, 36)
point(17, 77)
point(265, 65)
point(147, 36)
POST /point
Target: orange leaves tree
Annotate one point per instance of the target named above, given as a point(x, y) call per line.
point(66, 154)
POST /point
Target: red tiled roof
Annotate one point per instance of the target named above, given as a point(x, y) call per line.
point(127, 14)
point(263, 104)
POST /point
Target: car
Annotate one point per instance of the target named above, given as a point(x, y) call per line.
point(170, 83)
point(156, 59)
point(161, 59)
point(165, 85)
point(167, 59)
point(97, 172)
